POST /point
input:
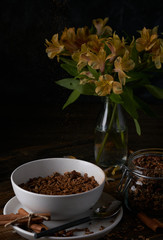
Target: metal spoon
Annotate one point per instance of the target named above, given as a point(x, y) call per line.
point(103, 212)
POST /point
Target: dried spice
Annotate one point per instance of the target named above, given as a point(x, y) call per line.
point(28, 221)
point(57, 184)
point(69, 233)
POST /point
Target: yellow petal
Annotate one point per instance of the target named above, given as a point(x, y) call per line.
point(127, 63)
point(117, 87)
point(116, 46)
point(147, 40)
point(80, 57)
point(94, 43)
point(73, 41)
point(157, 53)
point(82, 35)
point(88, 74)
point(97, 61)
point(100, 26)
point(86, 80)
point(122, 65)
point(157, 62)
point(104, 85)
point(54, 47)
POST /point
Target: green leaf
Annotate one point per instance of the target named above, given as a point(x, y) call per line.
point(69, 83)
point(135, 55)
point(107, 49)
point(72, 98)
point(116, 98)
point(143, 106)
point(138, 129)
point(68, 61)
point(155, 91)
point(109, 68)
point(94, 72)
point(135, 76)
point(129, 104)
point(74, 84)
point(70, 69)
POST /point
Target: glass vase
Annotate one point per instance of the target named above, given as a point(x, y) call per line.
point(111, 136)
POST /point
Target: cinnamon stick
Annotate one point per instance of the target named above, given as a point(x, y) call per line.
point(38, 227)
point(152, 223)
point(21, 221)
point(4, 219)
point(23, 212)
point(34, 226)
point(9, 217)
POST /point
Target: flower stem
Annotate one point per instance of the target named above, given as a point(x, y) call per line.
point(106, 135)
point(121, 132)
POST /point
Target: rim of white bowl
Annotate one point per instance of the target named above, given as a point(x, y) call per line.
point(57, 196)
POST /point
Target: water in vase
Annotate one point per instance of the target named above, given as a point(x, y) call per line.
point(115, 150)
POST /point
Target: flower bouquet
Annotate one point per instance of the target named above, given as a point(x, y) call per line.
point(101, 63)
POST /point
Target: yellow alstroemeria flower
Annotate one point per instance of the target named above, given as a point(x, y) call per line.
point(97, 61)
point(106, 84)
point(116, 46)
point(130, 47)
point(94, 43)
point(68, 39)
point(101, 28)
point(147, 40)
point(122, 65)
point(88, 74)
point(80, 57)
point(72, 41)
point(82, 35)
point(54, 47)
point(87, 77)
point(157, 53)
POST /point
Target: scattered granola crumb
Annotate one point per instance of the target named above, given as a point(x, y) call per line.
point(101, 228)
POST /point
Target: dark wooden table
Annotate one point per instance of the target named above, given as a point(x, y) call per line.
point(40, 131)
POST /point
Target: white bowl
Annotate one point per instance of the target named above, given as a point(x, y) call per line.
point(61, 207)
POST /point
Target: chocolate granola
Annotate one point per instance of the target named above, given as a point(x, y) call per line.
point(145, 192)
point(57, 184)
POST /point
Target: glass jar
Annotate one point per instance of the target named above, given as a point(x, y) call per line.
point(143, 187)
point(111, 136)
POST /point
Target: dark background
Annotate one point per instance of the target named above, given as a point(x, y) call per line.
point(27, 74)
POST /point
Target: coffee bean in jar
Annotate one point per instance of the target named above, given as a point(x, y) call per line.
point(145, 179)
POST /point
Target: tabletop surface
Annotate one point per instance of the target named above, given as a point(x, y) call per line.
point(31, 132)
